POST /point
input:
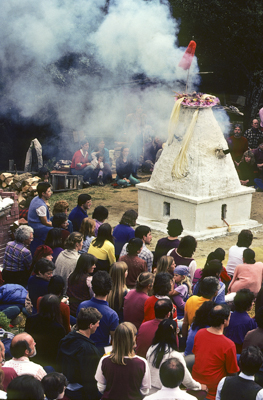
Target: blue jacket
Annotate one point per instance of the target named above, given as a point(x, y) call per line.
point(12, 294)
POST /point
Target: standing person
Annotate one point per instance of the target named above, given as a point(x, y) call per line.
point(80, 211)
point(243, 385)
point(78, 356)
point(248, 275)
point(87, 229)
point(174, 228)
point(124, 169)
point(183, 254)
point(124, 366)
point(215, 354)
point(237, 144)
point(67, 259)
point(144, 233)
point(258, 154)
point(123, 232)
point(235, 256)
point(101, 286)
point(247, 169)
point(100, 214)
point(17, 258)
point(118, 274)
point(38, 215)
point(253, 134)
point(164, 346)
point(133, 310)
point(135, 264)
point(79, 282)
point(80, 164)
point(46, 327)
point(102, 248)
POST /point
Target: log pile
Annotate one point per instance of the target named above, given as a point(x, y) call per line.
point(25, 185)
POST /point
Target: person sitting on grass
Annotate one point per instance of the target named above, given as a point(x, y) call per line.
point(124, 169)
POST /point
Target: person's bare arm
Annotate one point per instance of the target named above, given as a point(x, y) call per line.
point(45, 222)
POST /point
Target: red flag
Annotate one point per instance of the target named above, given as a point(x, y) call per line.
point(188, 56)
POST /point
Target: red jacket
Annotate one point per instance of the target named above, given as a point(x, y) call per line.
point(78, 158)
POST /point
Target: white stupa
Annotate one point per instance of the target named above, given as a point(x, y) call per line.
point(193, 179)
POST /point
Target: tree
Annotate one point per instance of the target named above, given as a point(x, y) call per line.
point(229, 43)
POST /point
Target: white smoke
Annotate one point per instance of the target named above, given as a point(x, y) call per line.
point(94, 92)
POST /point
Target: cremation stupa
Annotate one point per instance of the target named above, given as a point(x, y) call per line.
point(194, 180)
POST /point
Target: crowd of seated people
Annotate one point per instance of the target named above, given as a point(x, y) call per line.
point(108, 319)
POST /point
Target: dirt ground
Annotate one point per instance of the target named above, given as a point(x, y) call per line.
point(119, 200)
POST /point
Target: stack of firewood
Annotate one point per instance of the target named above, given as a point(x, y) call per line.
point(25, 184)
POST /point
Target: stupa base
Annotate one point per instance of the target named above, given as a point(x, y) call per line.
point(201, 217)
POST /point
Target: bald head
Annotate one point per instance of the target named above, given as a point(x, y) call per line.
point(255, 124)
point(23, 345)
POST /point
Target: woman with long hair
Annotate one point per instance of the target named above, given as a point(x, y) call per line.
point(118, 273)
point(54, 241)
point(79, 282)
point(102, 248)
point(87, 229)
point(134, 301)
point(124, 169)
point(101, 151)
point(123, 374)
point(164, 346)
point(123, 232)
point(200, 322)
point(247, 169)
point(248, 275)
point(165, 264)
point(183, 255)
point(47, 330)
point(212, 268)
point(135, 264)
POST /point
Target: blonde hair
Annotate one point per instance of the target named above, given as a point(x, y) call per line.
point(117, 274)
point(87, 227)
point(123, 343)
point(187, 282)
point(164, 263)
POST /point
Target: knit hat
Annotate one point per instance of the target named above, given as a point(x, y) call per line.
point(181, 270)
point(42, 251)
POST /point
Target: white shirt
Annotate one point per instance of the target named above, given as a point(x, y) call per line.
point(235, 257)
point(23, 366)
point(170, 394)
point(188, 381)
point(242, 375)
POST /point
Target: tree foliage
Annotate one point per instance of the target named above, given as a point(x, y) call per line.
point(229, 43)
